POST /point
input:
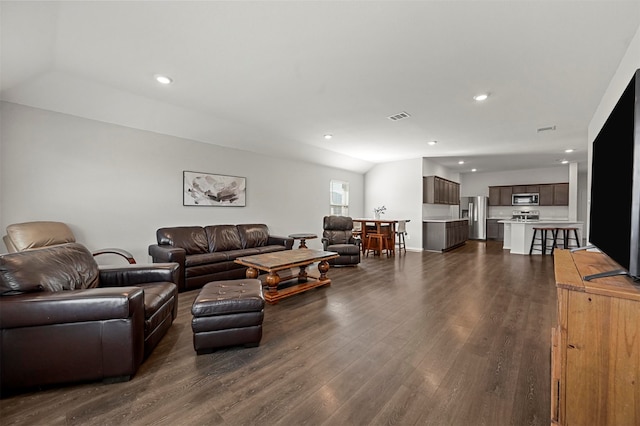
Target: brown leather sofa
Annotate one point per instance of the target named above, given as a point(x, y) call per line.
point(206, 254)
point(65, 319)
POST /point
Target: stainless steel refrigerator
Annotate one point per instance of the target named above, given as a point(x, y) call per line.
point(475, 209)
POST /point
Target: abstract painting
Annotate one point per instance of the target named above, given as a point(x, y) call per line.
point(206, 189)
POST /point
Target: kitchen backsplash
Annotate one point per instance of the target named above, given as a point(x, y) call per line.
point(546, 212)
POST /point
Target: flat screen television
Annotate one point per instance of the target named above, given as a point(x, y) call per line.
point(614, 222)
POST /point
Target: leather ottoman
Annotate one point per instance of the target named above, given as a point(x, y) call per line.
point(227, 313)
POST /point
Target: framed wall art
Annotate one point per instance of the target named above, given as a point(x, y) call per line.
point(206, 189)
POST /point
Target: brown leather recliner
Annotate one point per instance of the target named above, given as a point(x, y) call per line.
point(337, 236)
point(65, 319)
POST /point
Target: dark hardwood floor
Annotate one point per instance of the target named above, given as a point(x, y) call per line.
point(461, 338)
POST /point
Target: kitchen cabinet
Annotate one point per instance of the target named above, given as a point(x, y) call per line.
point(494, 195)
point(495, 230)
point(554, 194)
point(525, 189)
point(443, 235)
point(595, 345)
point(551, 194)
point(437, 190)
point(505, 195)
point(561, 194)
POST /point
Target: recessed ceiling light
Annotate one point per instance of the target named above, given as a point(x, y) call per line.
point(328, 136)
point(570, 150)
point(474, 170)
point(163, 79)
point(432, 142)
point(460, 162)
point(481, 97)
point(564, 162)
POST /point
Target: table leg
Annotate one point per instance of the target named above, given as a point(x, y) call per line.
point(273, 279)
point(251, 273)
point(302, 275)
point(392, 237)
point(302, 244)
point(364, 238)
point(323, 267)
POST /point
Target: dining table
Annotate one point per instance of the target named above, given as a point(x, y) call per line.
point(386, 227)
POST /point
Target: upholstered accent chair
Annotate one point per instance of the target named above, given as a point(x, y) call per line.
point(33, 235)
point(337, 236)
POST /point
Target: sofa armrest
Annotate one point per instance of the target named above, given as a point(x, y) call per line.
point(70, 306)
point(280, 241)
point(130, 275)
point(325, 243)
point(165, 253)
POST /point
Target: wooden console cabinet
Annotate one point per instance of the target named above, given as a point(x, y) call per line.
point(595, 348)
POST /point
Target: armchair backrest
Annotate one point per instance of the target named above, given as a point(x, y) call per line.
point(30, 235)
point(337, 229)
point(68, 266)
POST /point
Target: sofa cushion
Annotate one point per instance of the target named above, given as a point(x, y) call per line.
point(192, 239)
point(253, 235)
point(156, 306)
point(234, 254)
point(270, 249)
point(63, 267)
point(210, 268)
point(223, 238)
point(204, 259)
point(344, 248)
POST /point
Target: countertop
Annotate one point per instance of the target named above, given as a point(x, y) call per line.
point(442, 220)
point(543, 221)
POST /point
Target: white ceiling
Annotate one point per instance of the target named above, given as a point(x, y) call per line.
point(274, 77)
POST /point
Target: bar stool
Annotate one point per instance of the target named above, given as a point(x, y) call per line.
point(380, 243)
point(569, 237)
point(541, 240)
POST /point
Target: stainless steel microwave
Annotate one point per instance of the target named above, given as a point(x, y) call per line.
point(525, 199)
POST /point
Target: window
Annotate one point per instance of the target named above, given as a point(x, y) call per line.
point(339, 196)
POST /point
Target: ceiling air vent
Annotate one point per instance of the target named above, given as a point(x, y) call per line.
point(546, 129)
point(399, 116)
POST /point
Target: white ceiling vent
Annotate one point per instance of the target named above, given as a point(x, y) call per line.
point(546, 129)
point(400, 116)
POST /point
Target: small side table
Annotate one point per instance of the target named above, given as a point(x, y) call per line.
point(303, 237)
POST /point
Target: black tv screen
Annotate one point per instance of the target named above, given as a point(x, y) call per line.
point(614, 220)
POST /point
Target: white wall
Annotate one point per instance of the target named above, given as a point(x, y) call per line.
point(628, 65)
point(116, 185)
point(398, 186)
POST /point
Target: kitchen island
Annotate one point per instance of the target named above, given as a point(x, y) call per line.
point(518, 233)
point(444, 234)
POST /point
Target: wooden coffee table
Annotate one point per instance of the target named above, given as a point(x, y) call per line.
point(280, 263)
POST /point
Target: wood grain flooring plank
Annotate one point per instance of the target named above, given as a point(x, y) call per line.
point(459, 338)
